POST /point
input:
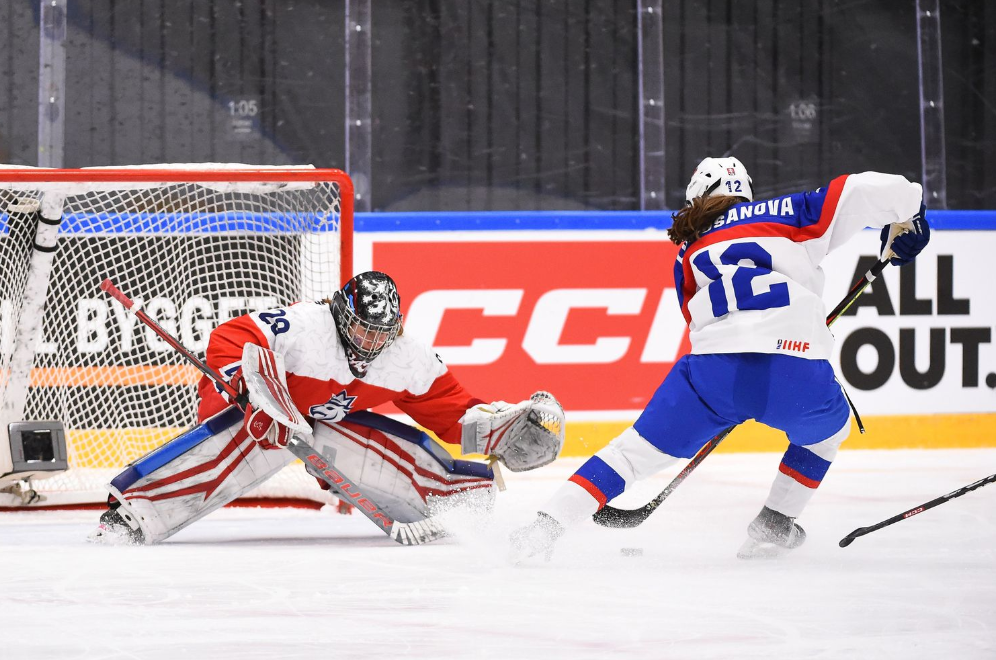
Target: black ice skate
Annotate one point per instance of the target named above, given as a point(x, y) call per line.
point(114, 530)
point(770, 535)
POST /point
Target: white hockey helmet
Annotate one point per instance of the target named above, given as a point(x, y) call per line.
point(720, 176)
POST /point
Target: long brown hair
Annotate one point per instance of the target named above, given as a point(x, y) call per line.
point(692, 220)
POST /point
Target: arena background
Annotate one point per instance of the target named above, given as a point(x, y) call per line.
point(534, 147)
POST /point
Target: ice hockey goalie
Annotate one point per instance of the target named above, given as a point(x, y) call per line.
point(340, 357)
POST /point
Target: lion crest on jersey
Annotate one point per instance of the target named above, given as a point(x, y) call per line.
point(334, 409)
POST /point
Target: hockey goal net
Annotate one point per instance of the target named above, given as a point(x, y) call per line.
point(193, 245)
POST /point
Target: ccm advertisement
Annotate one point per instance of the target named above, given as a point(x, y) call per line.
point(592, 317)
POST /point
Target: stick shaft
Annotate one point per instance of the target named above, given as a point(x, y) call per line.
point(609, 516)
point(108, 286)
point(856, 290)
point(694, 463)
point(861, 531)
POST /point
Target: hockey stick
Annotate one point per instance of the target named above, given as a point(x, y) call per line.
point(861, 531)
point(414, 533)
point(609, 516)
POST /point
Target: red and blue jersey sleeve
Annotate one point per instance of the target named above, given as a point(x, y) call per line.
point(228, 339)
point(224, 351)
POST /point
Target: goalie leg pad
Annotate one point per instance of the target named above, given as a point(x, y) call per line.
point(192, 475)
point(408, 474)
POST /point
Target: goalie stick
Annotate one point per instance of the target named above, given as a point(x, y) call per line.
point(609, 516)
point(861, 531)
point(413, 533)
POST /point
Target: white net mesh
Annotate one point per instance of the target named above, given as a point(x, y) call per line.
point(192, 256)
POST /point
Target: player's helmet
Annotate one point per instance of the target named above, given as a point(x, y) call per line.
point(720, 176)
point(367, 315)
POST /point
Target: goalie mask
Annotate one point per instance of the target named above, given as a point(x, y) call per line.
point(725, 177)
point(367, 315)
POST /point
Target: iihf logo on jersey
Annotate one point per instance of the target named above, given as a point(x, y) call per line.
point(732, 171)
point(334, 409)
point(790, 345)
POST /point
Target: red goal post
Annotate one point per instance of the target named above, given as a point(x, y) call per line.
point(196, 244)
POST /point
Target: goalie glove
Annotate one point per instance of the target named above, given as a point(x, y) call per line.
point(906, 239)
point(238, 384)
point(523, 436)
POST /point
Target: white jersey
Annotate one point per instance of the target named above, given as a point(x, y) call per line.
point(408, 373)
point(752, 283)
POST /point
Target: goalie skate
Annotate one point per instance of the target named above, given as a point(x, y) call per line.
point(771, 535)
point(114, 530)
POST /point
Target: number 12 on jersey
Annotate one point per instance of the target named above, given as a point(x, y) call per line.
point(777, 294)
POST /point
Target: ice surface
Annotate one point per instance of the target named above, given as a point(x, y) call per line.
point(263, 583)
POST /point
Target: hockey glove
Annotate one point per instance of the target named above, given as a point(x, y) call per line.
point(238, 383)
point(523, 436)
point(261, 428)
point(906, 239)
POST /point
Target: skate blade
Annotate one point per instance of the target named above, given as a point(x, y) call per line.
point(752, 549)
point(106, 536)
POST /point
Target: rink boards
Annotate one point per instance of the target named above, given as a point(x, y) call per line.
point(583, 305)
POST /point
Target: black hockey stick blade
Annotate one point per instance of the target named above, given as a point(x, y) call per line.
point(849, 539)
point(609, 516)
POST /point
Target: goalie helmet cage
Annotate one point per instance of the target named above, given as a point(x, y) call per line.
point(194, 245)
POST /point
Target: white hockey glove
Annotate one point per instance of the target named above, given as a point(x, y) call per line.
point(523, 436)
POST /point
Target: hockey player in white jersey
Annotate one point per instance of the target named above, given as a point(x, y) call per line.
point(750, 288)
point(340, 357)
